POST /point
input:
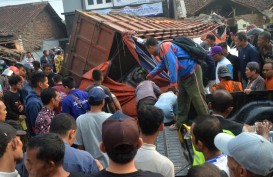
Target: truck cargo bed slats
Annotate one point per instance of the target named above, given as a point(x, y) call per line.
point(168, 144)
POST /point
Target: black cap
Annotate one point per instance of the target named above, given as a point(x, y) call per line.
point(7, 132)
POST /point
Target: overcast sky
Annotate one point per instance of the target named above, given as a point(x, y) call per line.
point(56, 4)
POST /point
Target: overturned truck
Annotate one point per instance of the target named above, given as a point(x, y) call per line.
point(114, 44)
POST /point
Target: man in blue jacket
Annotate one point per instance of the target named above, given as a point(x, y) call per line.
point(76, 101)
point(33, 102)
point(184, 70)
point(75, 160)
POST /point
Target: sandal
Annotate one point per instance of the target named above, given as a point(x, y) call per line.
point(173, 127)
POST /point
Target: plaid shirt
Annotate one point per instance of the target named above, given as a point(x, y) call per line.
point(43, 121)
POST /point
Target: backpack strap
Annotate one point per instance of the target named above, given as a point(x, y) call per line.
point(77, 100)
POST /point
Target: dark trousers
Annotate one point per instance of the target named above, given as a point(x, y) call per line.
point(191, 90)
point(145, 102)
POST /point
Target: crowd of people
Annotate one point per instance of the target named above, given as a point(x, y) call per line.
point(50, 128)
point(230, 74)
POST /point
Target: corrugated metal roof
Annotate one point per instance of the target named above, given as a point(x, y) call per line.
point(13, 19)
point(145, 27)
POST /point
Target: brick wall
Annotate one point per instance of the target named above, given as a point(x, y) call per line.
point(193, 5)
point(42, 27)
point(69, 20)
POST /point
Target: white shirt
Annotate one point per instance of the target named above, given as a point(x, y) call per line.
point(221, 162)
point(28, 60)
point(89, 134)
point(223, 62)
point(148, 159)
point(10, 174)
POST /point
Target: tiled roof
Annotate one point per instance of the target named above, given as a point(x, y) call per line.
point(160, 28)
point(194, 5)
point(13, 19)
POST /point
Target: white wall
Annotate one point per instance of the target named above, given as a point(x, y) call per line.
point(72, 5)
point(242, 24)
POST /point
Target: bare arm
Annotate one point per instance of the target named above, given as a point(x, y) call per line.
point(99, 165)
point(117, 104)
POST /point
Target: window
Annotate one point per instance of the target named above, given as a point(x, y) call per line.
point(244, 25)
point(98, 4)
point(90, 2)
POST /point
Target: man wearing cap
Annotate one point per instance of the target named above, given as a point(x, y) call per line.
point(121, 140)
point(255, 81)
point(217, 55)
point(249, 154)
point(234, 60)
point(11, 150)
point(89, 125)
point(226, 82)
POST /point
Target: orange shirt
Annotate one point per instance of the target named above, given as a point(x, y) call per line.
point(228, 85)
point(269, 84)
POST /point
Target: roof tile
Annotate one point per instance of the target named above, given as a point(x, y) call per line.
point(158, 27)
point(14, 18)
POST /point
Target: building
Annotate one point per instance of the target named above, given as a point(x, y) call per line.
point(227, 8)
point(133, 7)
point(24, 27)
point(242, 24)
point(237, 12)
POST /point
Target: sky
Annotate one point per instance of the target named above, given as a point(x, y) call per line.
point(56, 4)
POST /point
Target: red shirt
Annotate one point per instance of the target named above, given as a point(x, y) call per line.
point(269, 84)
